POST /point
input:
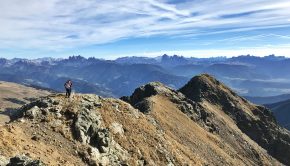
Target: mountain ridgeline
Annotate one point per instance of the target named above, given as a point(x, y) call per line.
point(257, 122)
point(119, 77)
point(211, 101)
point(202, 123)
point(281, 111)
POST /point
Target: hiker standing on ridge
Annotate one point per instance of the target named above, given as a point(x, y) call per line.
point(68, 86)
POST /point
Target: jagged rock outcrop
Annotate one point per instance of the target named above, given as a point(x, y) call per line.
point(20, 160)
point(84, 124)
point(256, 121)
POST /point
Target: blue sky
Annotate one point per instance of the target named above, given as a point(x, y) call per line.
point(110, 29)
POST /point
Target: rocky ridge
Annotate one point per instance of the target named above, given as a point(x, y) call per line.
point(144, 99)
point(140, 99)
point(256, 121)
point(156, 125)
point(78, 123)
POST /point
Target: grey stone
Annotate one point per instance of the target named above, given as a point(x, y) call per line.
point(3, 161)
point(104, 161)
point(103, 149)
point(117, 128)
point(86, 125)
point(33, 112)
point(58, 115)
point(56, 123)
point(22, 160)
point(97, 104)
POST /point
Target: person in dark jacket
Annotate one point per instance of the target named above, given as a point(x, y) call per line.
point(68, 87)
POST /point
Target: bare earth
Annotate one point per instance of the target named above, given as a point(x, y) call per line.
point(14, 95)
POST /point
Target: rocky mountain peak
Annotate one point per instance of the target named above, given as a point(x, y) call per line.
point(205, 86)
point(150, 89)
point(140, 98)
point(255, 121)
point(200, 100)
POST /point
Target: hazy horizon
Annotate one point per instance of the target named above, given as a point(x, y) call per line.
point(144, 56)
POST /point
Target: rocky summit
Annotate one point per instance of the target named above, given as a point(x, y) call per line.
point(203, 123)
point(255, 121)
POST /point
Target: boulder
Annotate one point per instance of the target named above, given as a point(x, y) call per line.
point(22, 160)
point(3, 161)
point(117, 128)
point(33, 112)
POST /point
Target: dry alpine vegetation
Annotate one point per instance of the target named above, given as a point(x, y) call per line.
point(13, 96)
point(204, 123)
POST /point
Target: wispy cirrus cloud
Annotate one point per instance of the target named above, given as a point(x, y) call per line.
point(61, 24)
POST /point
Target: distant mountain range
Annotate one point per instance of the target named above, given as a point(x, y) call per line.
point(247, 75)
point(268, 99)
point(281, 111)
point(279, 105)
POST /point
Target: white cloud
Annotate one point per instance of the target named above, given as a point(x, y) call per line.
point(59, 24)
point(261, 37)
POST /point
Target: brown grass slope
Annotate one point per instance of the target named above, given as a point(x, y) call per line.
point(202, 130)
point(164, 127)
point(255, 121)
point(47, 131)
point(14, 95)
